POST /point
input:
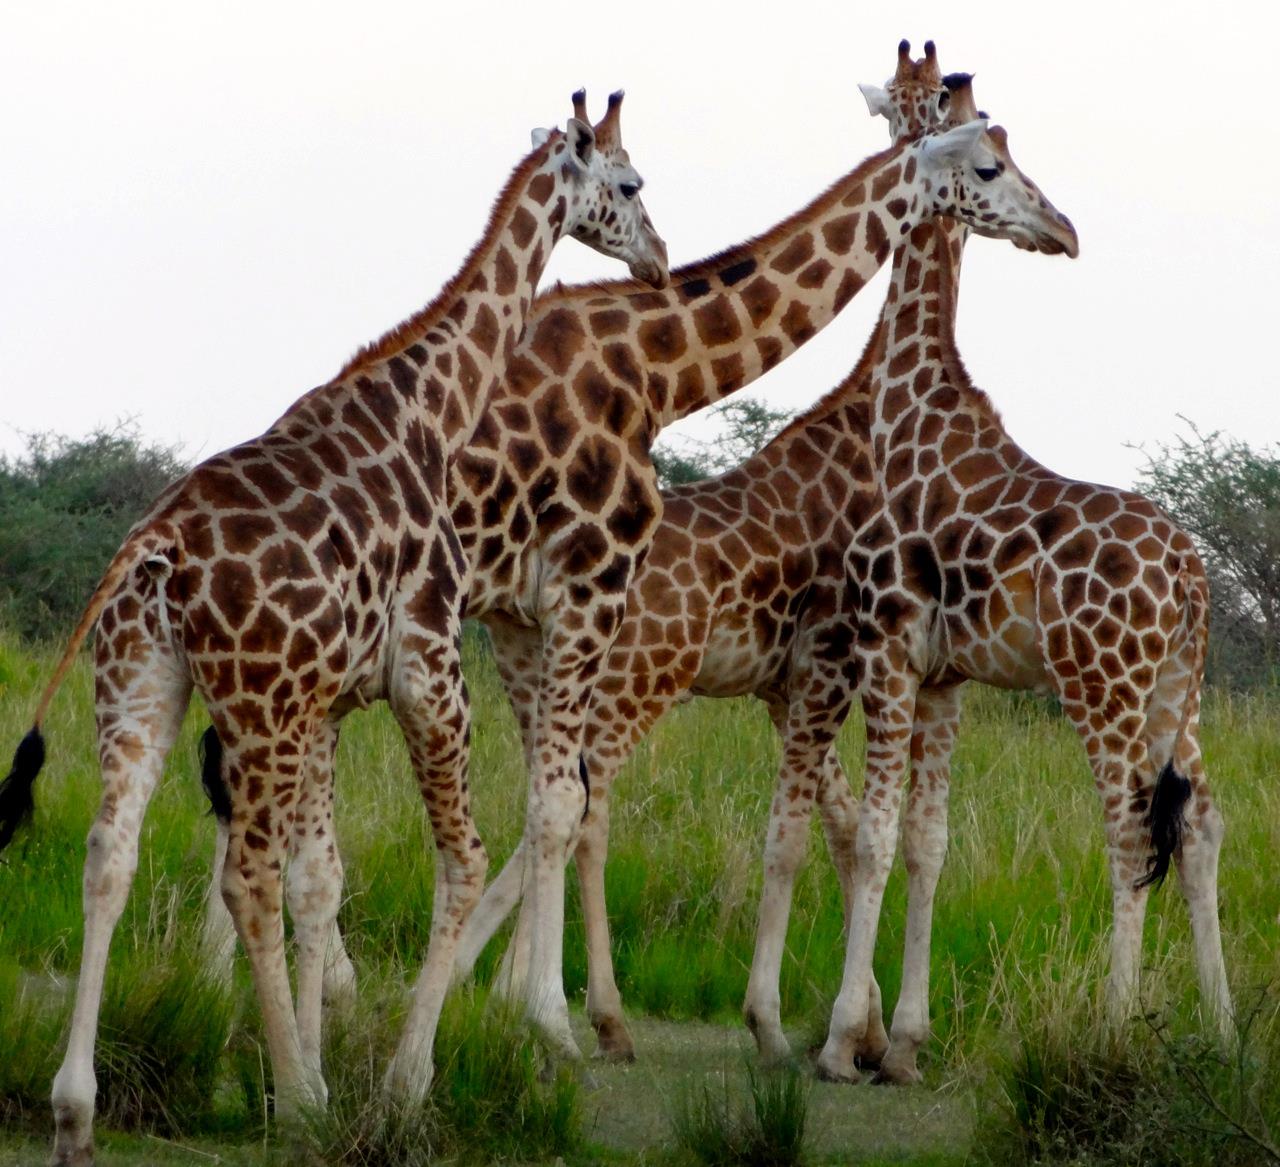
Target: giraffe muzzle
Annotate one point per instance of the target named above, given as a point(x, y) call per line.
point(652, 269)
point(1059, 239)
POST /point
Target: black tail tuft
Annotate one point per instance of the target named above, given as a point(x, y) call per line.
point(1166, 819)
point(215, 785)
point(16, 803)
point(586, 784)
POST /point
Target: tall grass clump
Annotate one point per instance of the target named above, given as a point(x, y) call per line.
point(760, 1124)
point(161, 1038)
point(33, 1015)
point(489, 1101)
point(1074, 1088)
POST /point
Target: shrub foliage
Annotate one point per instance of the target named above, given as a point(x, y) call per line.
point(65, 506)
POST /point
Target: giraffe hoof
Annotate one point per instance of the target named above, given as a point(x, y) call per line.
point(897, 1075)
point(614, 1057)
point(613, 1042)
point(826, 1073)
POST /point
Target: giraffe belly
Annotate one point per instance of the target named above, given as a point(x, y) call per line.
point(1003, 651)
point(736, 661)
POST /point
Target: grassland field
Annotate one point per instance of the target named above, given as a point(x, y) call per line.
point(1019, 925)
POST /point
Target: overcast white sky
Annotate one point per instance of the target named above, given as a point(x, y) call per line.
point(207, 207)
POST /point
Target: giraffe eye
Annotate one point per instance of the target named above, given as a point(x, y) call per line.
point(987, 173)
point(629, 190)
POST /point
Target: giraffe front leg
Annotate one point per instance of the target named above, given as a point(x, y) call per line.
point(573, 650)
point(924, 848)
point(784, 851)
point(817, 708)
point(500, 897)
point(889, 709)
point(558, 807)
point(604, 1002)
point(839, 813)
point(429, 699)
point(517, 652)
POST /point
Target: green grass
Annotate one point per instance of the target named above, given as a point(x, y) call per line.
point(761, 1125)
point(1024, 901)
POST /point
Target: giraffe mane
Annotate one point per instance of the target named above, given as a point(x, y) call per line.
point(400, 336)
point(833, 398)
point(713, 264)
point(957, 375)
point(953, 365)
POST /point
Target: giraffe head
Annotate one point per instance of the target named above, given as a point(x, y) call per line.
point(604, 209)
point(915, 99)
point(971, 176)
point(967, 170)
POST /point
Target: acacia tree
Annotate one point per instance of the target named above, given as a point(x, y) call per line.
point(1226, 494)
point(748, 424)
point(65, 506)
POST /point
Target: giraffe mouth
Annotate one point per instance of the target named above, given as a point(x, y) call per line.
point(1059, 238)
point(651, 272)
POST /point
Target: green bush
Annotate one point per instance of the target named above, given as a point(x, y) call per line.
point(65, 507)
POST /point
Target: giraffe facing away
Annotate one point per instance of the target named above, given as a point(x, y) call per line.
point(978, 563)
point(303, 574)
point(744, 591)
point(555, 499)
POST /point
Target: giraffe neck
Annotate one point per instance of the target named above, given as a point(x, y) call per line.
point(847, 409)
point(445, 360)
point(728, 319)
point(917, 349)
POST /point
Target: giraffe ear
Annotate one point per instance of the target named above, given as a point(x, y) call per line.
point(540, 136)
point(582, 140)
point(954, 146)
point(877, 99)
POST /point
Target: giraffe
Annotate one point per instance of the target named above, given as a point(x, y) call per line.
point(305, 573)
point(555, 499)
point(743, 591)
point(978, 563)
point(1009, 209)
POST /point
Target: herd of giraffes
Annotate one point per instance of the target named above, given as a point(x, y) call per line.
point(490, 457)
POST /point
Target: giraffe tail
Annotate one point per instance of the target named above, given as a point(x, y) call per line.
point(212, 779)
point(1166, 818)
point(154, 545)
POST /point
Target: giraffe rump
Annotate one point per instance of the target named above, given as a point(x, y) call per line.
point(215, 785)
point(16, 801)
point(1166, 820)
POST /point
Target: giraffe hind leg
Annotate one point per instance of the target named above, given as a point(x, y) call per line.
point(313, 889)
point(1200, 839)
point(429, 700)
point(265, 771)
point(138, 721)
point(218, 934)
